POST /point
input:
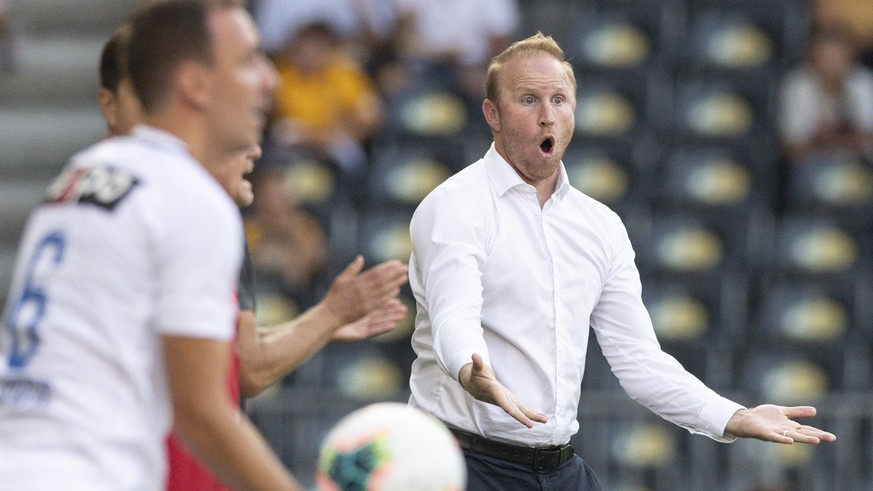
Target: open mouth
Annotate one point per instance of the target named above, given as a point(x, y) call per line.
point(547, 145)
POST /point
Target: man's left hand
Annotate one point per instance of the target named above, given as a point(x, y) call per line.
point(773, 423)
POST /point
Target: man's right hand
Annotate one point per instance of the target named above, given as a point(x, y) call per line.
point(479, 380)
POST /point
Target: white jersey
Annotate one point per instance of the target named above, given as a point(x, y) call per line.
point(135, 240)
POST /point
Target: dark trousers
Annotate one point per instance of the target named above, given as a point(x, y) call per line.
point(490, 474)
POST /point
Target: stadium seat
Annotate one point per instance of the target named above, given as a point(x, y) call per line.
point(315, 182)
point(789, 376)
point(644, 444)
point(404, 170)
point(792, 375)
point(698, 242)
point(619, 106)
point(384, 233)
point(630, 447)
point(697, 311)
point(818, 244)
point(718, 176)
point(760, 466)
point(809, 337)
point(719, 107)
point(809, 312)
point(700, 321)
point(429, 105)
point(836, 184)
point(743, 36)
point(363, 372)
point(612, 173)
point(613, 36)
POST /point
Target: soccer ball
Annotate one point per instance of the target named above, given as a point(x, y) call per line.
point(389, 446)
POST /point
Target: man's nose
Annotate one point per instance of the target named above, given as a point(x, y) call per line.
point(547, 115)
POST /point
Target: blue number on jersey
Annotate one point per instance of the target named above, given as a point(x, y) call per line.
point(24, 335)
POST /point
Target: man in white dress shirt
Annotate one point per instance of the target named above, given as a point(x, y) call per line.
point(122, 307)
point(510, 267)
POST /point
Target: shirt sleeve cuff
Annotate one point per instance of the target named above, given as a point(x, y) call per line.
point(715, 416)
point(457, 361)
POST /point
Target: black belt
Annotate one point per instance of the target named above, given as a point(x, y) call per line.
point(538, 458)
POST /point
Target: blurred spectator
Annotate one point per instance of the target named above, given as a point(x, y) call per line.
point(453, 38)
point(326, 103)
point(827, 102)
point(856, 15)
point(465, 32)
point(7, 51)
point(288, 246)
point(367, 21)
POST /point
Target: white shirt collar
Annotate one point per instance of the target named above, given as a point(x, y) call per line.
point(504, 177)
point(161, 138)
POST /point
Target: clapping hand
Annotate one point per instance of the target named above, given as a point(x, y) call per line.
point(356, 293)
point(382, 320)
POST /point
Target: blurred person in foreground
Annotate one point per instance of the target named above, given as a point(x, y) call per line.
point(121, 310)
point(259, 356)
point(510, 266)
point(826, 103)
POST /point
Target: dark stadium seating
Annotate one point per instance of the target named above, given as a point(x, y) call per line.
point(757, 280)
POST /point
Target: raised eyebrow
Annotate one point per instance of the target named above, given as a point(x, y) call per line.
point(533, 91)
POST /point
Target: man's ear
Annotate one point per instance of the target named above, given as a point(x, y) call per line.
point(108, 106)
point(194, 84)
point(492, 116)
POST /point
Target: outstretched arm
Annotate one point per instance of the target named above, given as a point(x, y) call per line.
point(772, 423)
point(479, 380)
point(358, 305)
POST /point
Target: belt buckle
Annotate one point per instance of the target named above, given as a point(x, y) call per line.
point(546, 459)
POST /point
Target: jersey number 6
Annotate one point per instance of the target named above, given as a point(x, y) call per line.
point(30, 307)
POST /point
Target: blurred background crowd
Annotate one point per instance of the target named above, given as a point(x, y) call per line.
point(734, 137)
